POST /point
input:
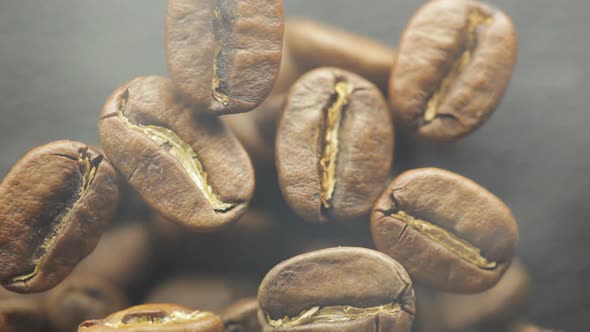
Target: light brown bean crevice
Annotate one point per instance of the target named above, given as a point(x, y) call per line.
point(223, 19)
point(475, 18)
point(158, 318)
point(333, 314)
point(88, 169)
point(445, 238)
point(333, 118)
point(180, 150)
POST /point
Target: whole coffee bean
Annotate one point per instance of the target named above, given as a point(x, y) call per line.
point(54, 205)
point(80, 298)
point(448, 232)
point(313, 44)
point(156, 317)
point(206, 291)
point(241, 316)
point(187, 166)
point(453, 65)
point(257, 129)
point(337, 289)
point(224, 55)
point(497, 306)
point(123, 255)
point(334, 145)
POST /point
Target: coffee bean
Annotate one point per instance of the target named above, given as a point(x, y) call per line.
point(224, 55)
point(448, 232)
point(187, 166)
point(528, 327)
point(334, 145)
point(313, 44)
point(54, 205)
point(241, 316)
point(454, 63)
point(337, 289)
point(156, 317)
point(82, 297)
point(22, 312)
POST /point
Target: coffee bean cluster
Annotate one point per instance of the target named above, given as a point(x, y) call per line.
point(164, 228)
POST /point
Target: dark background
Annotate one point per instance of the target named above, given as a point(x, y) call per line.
point(60, 60)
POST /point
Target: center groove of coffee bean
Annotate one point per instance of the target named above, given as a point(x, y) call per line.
point(180, 150)
point(475, 18)
point(333, 314)
point(158, 318)
point(450, 241)
point(222, 25)
point(333, 120)
point(88, 169)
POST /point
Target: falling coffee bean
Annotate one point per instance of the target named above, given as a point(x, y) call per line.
point(449, 232)
point(224, 55)
point(334, 146)
point(54, 205)
point(338, 289)
point(187, 166)
point(453, 65)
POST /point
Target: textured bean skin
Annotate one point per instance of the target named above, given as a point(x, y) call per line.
point(155, 318)
point(54, 205)
point(224, 55)
point(344, 276)
point(364, 143)
point(163, 173)
point(460, 207)
point(454, 62)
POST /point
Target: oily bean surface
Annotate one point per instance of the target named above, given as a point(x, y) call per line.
point(156, 317)
point(449, 232)
point(334, 147)
point(328, 283)
point(186, 165)
point(224, 55)
point(54, 205)
point(454, 62)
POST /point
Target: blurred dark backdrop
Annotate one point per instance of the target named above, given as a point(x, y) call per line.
point(59, 61)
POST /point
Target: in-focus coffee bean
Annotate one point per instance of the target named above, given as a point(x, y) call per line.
point(54, 205)
point(156, 317)
point(449, 232)
point(453, 65)
point(241, 316)
point(337, 289)
point(186, 165)
point(313, 44)
point(334, 145)
point(80, 298)
point(224, 55)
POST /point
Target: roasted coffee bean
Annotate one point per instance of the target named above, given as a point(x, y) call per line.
point(334, 145)
point(498, 305)
point(187, 166)
point(156, 317)
point(337, 289)
point(313, 44)
point(206, 291)
point(22, 312)
point(257, 129)
point(241, 316)
point(449, 233)
point(453, 65)
point(224, 55)
point(80, 298)
point(54, 205)
point(527, 327)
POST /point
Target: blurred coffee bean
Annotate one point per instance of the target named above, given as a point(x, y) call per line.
point(527, 327)
point(241, 316)
point(82, 297)
point(313, 44)
point(208, 292)
point(22, 312)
